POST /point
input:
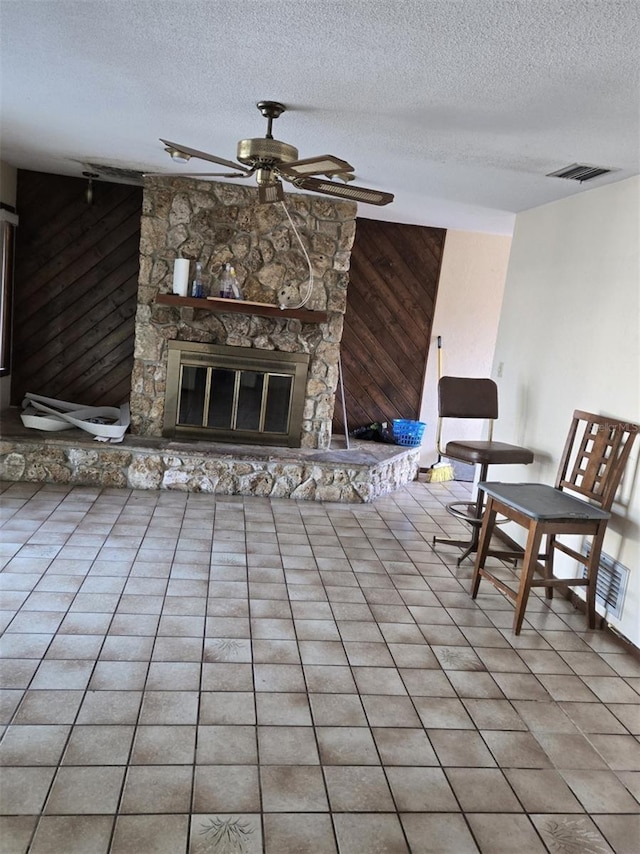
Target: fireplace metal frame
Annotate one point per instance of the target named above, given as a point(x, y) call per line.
point(194, 354)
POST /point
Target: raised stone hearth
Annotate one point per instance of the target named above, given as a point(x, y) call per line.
point(361, 474)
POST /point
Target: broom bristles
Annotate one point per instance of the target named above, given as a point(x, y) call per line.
point(439, 473)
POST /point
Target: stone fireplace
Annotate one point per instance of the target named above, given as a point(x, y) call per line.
point(250, 356)
point(216, 223)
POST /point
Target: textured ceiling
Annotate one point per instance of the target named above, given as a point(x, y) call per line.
point(459, 107)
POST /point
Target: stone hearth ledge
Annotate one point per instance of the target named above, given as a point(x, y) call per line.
point(361, 474)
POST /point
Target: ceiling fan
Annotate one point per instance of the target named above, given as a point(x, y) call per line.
point(271, 160)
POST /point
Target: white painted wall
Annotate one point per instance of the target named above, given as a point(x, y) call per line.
point(467, 312)
point(8, 179)
point(569, 338)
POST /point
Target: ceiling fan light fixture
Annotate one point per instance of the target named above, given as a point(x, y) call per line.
point(88, 193)
point(269, 193)
point(177, 156)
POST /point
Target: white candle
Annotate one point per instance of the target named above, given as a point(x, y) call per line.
point(181, 276)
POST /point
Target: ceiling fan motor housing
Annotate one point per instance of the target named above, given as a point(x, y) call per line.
point(254, 152)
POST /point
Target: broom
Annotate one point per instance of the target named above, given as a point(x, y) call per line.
point(439, 472)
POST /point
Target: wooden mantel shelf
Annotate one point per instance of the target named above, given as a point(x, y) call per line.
point(234, 306)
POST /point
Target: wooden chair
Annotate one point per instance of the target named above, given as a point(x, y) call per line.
point(477, 398)
point(592, 464)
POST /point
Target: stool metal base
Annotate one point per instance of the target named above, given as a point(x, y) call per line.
point(472, 516)
point(471, 513)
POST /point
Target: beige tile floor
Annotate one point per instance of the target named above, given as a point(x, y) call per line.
point(183, 673)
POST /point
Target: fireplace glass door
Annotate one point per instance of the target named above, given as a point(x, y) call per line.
point(235, 394)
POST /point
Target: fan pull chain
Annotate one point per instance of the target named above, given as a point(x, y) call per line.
point(306, 255)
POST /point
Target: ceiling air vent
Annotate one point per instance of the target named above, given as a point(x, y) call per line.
point(116, 173)
point(579, 172)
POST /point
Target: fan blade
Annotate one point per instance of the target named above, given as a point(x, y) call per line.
point(344, 191)
point(198, 174)
point(202, 155)
point(325, 164)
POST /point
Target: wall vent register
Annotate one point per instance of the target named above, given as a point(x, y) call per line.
point(611, 585)
point(235, 394)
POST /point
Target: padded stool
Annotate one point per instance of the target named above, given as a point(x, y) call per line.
point(471, 397)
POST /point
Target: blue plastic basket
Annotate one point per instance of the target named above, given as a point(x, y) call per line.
point(406, 432)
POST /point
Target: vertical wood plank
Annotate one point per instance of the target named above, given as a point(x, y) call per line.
point(390, 305)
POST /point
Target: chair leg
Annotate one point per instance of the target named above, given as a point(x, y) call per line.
point(488, 524)
point(548, 564)
point(529, 562)
point(592, 574)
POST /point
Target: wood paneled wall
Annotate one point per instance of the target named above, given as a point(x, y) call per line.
point(76, 279)
point(390, 304)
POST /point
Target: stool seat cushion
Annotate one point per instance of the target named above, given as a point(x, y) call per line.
point(489, 453)
point(543, 503)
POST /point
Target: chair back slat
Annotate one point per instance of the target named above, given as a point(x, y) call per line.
point(595, 456)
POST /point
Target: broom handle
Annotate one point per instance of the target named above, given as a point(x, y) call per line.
point(438, 437)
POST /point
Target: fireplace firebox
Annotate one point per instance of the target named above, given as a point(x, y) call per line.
point(234, 394)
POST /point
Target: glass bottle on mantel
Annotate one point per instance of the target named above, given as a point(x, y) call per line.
point(226, 287)
point(235, 287)
point(197, 288)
